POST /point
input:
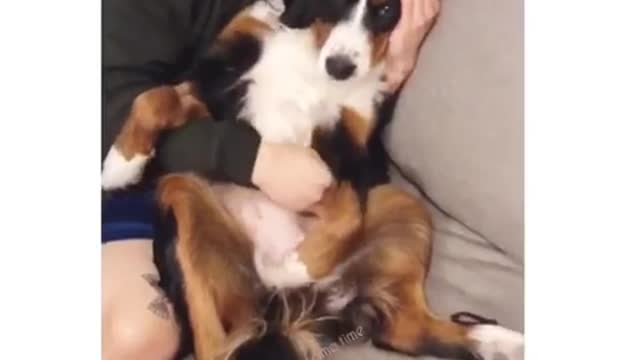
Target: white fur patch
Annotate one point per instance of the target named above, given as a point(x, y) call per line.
point(285, 106)
point(340, 298)
point(492, 340)
point(291, 272)
point(118, 172)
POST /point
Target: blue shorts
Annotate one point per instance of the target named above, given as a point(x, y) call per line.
point(128, 215)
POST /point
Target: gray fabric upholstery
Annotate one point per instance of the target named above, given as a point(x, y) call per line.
point(459, 130)
point(459, 123)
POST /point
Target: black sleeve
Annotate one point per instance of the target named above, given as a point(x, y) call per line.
point(151, 42)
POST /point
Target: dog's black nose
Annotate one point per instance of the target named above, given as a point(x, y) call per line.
point(340, 67)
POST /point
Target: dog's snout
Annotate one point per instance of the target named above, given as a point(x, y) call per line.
point(340, 67)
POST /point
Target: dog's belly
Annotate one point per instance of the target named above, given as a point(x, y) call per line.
point(275, 232)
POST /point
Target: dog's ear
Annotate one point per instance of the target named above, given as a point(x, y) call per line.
point(299, 14)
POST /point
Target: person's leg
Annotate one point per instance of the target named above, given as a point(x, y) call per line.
point(137, 320)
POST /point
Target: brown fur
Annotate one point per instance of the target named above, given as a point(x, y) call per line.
point(397, 230)
point(154, 110)
point(331, 240)
point(244, 24)
point(321, 31)
point(379, 47)
point(358, 127)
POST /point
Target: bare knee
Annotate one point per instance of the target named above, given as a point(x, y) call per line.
point(139, 337)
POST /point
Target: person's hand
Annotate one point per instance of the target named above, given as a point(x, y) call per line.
point(418, 16)
point(291, 175)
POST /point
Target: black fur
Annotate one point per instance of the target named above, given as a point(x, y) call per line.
point(365, 167)
point(289, 303)
point(171, 280)
point(299, 14)
point(216, 75)
point(274, 345)
point(350, 162)
point(383, 17)
point(378, 18)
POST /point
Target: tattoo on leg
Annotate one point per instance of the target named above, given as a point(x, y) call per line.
point(160, 306)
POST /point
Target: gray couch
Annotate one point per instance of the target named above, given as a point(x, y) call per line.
point(459, 130)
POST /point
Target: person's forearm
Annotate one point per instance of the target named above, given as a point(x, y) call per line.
point(224, 150)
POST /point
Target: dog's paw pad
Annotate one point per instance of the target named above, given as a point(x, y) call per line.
point(118, 172)
point(497, 343)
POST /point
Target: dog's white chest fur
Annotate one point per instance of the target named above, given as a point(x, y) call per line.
point(290, 94)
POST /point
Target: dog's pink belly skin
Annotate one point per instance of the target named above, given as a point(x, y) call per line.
point(274, 231)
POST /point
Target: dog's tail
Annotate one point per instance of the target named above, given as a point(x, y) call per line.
point(294, 326)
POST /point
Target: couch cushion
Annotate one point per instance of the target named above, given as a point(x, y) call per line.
point(459, 122)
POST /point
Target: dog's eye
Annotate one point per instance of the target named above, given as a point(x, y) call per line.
point(383, 10)
point(383, 15)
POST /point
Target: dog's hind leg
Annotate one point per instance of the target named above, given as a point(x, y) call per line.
point(155, 110)
point(412, 328)
point(214, 260)
point(393, 283)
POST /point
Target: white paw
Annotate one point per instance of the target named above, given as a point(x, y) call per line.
point(291, 272)
point(339, 298)
point(497, 343)
point(118, 172)
point(267, 12)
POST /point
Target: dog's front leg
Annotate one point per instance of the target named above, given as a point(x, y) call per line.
point(155, 110)
point(331, 239)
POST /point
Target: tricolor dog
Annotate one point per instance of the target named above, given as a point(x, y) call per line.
point(247, 277)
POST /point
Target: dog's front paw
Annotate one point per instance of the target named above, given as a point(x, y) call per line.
point(118, 172)
point(494, 342)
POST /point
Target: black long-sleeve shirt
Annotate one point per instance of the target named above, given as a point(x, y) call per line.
point(147, 43)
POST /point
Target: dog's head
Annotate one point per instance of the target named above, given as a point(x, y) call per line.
point(352, 35)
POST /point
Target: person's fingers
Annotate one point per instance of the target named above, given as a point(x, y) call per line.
point(419, 13)
point(311, 196)
point(315, 154)
point(406, 11)
point(410, 7)
point(316, 210)
point(432, 10)
point(435, 7)
point(325, 177)
point(401, 34)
